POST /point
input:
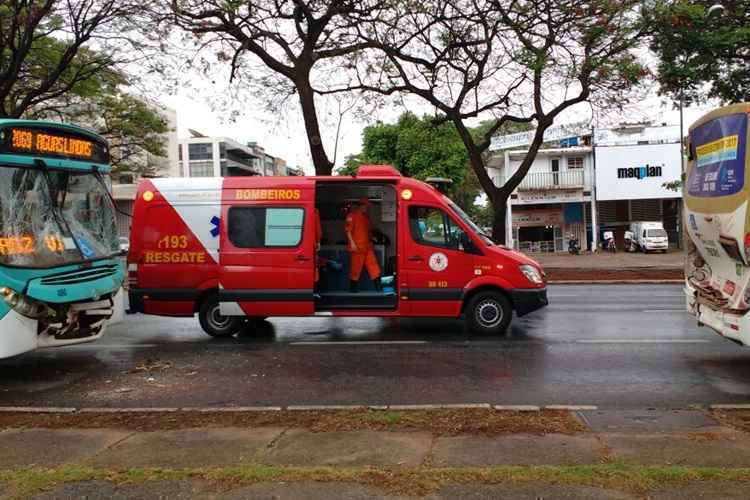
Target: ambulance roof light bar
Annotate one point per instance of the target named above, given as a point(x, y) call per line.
point(439, 183)
point(377, 171)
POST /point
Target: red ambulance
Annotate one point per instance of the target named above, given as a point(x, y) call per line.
point(237, 248)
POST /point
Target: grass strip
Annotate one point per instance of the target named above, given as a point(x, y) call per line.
point(404, 481)
point(441, 422)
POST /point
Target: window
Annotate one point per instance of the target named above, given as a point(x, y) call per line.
point(431, 226)
point(256, 227)
point(201, 169)
point(656, 233)
point(575, 162)
point(200, 151)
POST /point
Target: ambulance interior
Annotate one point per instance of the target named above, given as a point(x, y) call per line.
point(334, 201)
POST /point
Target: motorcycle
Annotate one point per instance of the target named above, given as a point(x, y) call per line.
point(574, 248)
point(609, 242)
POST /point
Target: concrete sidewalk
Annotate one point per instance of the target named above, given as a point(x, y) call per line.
point(625, 438)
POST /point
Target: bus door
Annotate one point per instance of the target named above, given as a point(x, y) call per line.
point(267, 255)
point(436, 264)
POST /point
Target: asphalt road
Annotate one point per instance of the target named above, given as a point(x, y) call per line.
point(615, 346)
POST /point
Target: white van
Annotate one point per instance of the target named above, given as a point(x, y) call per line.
point(650, 236)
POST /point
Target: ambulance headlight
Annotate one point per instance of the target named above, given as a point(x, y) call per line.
point(532, 273)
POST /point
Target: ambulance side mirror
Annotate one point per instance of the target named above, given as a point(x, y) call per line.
point(466, 243)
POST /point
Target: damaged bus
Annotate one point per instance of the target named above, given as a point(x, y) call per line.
point(60, 264)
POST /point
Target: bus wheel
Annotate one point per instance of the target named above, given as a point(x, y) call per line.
point(213, 323)
point(489, 313)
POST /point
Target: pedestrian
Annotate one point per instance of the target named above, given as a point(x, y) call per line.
point(362, 254)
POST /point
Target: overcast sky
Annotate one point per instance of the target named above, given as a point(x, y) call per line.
point(285, 136)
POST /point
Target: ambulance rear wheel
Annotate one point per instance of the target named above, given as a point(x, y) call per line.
point(213, 322)
point(489, 313)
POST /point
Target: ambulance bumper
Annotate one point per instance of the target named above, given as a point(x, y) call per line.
point(526, 301)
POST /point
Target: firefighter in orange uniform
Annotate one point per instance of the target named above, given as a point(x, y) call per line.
point(360, 246)
point(318, 237)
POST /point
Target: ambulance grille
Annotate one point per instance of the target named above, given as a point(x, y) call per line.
point(74, 277)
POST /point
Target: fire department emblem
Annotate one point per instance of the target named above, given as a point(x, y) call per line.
point(438, 261)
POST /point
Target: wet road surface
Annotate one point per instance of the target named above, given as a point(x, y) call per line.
point(615, 346)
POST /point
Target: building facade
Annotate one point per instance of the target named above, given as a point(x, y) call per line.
point(597, 182)
point(554, 201)
point(203, 156)
point(124, 186)
point(632, 167)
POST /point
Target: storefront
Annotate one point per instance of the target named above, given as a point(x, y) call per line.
point(630, 187)
point(552, 205)
point(547, 228)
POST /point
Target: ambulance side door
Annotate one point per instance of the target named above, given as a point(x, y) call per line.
point(267, 258)
point(436, 263)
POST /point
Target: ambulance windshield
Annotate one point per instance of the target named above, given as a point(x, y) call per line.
point(51, 218)
point(467, 220)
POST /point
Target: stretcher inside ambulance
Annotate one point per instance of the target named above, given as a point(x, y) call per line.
point(378, 244)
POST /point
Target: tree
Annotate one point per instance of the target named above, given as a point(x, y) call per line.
point(696, 49)
point(420, 148)
point(292, 38)
point(134, 128)
point(43, 45)
point(522, 62)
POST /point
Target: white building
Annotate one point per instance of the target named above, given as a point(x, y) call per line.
point(632, 165)
point(203, 156)
point(124, 188)
point(552, 202)
point(582, 191)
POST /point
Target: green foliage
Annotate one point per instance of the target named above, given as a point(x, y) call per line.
point(420, 148)
point(134, 128)
point(697, 49)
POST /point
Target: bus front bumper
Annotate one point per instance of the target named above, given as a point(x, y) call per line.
point(735, 327)
point(527, 301)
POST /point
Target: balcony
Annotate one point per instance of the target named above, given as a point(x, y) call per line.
point(570, 179)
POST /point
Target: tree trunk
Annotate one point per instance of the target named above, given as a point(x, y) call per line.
point(499, 210)
point(323, 165)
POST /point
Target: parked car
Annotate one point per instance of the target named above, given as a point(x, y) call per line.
point(124, 244)
point(650, 236)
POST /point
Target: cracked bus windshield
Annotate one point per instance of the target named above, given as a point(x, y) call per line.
point(54, 218)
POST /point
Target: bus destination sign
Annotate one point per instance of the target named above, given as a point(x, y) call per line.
point(40, 142)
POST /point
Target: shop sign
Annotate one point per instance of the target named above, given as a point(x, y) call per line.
point(637, 172)
point(536, 218)
point(547, 196)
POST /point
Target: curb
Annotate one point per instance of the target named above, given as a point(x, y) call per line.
point(572, 407)
point(238, 409)
point(730, 407)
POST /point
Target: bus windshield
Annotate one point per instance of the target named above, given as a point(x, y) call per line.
point(51, 218)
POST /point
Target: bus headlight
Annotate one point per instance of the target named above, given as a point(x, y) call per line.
point(23, 305)
point(531, 273)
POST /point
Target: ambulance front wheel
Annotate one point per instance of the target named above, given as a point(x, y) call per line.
point(213, 322)
point(489, 313)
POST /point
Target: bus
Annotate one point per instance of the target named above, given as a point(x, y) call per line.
point(60, 262)
point(717, 221)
